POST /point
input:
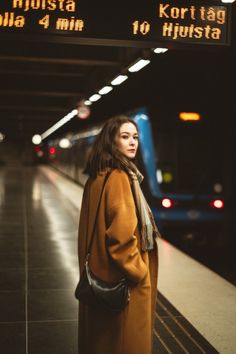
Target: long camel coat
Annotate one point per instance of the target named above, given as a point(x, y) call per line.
point(116, 252)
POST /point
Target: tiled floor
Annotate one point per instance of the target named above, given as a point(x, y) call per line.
point(39, 270)
point(38, 266)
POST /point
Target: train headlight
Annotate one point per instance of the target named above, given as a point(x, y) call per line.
point(167, 203)
point(217, 203)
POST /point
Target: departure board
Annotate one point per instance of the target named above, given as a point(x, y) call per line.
point(116, 22)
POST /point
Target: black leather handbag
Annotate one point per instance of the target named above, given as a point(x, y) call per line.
point(93, 291)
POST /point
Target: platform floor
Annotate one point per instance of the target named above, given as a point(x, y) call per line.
point(39, 272)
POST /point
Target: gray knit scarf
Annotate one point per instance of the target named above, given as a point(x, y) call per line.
point(149, 230)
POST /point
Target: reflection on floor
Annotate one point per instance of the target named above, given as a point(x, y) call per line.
point(38, 266)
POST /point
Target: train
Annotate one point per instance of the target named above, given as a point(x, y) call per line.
point(182, 181)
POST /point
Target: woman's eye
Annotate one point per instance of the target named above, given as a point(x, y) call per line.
point(124, 136)
point(136, 137)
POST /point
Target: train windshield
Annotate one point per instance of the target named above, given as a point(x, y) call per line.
point(189, 163)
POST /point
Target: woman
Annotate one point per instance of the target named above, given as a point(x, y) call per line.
point(123, 245)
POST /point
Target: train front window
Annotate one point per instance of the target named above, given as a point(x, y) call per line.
point(189, 162)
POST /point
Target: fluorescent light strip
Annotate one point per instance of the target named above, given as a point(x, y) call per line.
point(94, 97)
point(87, 103)
point(160, 50)
point(119, 79)
point(105, 90)
point(61, 122)
point(94, 132)
point(139, 65)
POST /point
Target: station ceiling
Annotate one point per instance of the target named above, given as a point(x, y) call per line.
point(43, 81)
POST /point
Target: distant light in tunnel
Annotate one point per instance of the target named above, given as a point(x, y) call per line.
point(64, 143)
point(2, 136)
point(37, 139)
point(218, 188)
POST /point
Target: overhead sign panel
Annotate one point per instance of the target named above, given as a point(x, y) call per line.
point(116, 22)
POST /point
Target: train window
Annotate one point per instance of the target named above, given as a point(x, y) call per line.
point(189, 162)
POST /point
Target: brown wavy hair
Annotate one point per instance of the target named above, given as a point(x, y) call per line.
point(104, 154)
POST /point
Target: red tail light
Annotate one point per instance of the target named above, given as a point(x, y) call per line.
point(167, 203)
point(217, 203)
point(37, 148)
point(52, 150)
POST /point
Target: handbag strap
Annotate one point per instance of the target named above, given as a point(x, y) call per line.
point(96, 215)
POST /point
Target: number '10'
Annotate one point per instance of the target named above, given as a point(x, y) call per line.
point(141, 27)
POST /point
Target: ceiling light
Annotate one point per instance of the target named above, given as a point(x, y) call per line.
point(139, 65)
point(119, 79)
point(160, 50)
point(71, 114)
point(61, 122)
point(94, 97)
point(36, 139)
point(228, 1)
point(90, 133)
point(105, 90)
point(87, 103)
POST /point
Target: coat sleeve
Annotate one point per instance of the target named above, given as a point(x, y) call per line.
point(122, 222)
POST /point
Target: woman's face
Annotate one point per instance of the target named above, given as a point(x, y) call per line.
point(127, 140)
